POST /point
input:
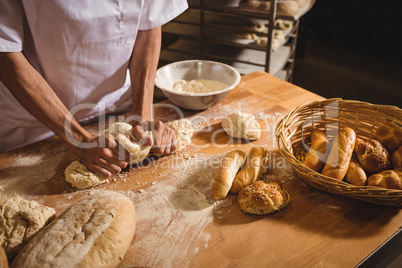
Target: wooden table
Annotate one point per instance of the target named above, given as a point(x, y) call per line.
point(178, 222)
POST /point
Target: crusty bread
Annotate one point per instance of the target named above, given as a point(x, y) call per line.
point(226, 173)
point(396, 158)
point(262, 198)
point(390, 136)
point(318, 152)
point(372, 156)
point(94, 232)
point(256, 164)
point(355, 174)
point(340, 154)
point(284, 7)
point(389, 179)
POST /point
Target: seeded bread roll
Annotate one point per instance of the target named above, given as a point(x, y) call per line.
point(262, 198)
point(340, 154)
point(256, 164)
point(355, 174)
point(318, 152)
point(390, 136)
point(226, 173)
point(396, 158)
point(94, 232)
point(372, 156)
point(389, 179)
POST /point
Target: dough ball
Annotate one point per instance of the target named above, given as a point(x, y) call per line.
point(184, 131)
point(20, 220)
point(80, 177)
point(242, 125)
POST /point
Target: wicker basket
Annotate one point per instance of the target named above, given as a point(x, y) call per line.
point(293, 133)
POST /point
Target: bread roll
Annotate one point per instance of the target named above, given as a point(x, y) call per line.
point(256, 164)
point(355, 174)
point(340, 154)
point(94, 232)
point(318, 152)
point(226, 173)
point(390, 136)
point(284, 7)
point(262, 198)
point(389, 179)
point(396, 158)
point(372, 156)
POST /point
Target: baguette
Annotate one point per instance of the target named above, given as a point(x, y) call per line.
point(318, 152)
point(340, 154)
point(94, 232)
point(256, 164)
point(226, 173)
point(389, 179)
point(355, 174)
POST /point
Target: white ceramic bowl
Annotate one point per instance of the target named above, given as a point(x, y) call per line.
point(167, 75)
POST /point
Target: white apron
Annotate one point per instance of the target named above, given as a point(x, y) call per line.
point(82, 48)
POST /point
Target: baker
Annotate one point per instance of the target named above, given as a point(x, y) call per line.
point(65, 63)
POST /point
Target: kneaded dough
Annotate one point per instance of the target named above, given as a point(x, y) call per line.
point(20, 220)
point(242, 125)
point(80, 177)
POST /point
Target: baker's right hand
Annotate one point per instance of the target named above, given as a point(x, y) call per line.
point(104, 156)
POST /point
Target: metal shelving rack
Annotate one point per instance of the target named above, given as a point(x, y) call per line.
point(189, 38)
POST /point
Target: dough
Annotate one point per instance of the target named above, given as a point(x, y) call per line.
point(242, 125)
point(80, 177)
point(193, 87)
point(20, 220)
point(96, 232)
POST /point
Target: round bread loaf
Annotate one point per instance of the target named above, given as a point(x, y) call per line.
point(389, 179)
point(390, 136)
point(94, 232)
point(396, 158)
point(372, 156)
point(262, 198)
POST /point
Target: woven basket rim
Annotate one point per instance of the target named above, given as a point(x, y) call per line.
point(299, 167)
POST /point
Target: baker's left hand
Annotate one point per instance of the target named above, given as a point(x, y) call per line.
point(163, 140)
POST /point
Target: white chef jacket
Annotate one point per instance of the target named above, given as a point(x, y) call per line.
point(81, 47)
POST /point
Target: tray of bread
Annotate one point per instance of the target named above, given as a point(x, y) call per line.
point(348, 148)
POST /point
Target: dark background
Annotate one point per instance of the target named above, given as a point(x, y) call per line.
point(352, 49)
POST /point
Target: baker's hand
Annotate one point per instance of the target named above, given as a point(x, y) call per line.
point(104, 156)
point(164, 138)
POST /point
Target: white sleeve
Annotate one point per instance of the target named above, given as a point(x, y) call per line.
point(11, 25)
point(155, 13)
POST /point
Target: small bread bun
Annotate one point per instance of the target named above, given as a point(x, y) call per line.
point(256, 164)
point(318, 152)
point(390, 136)
point(262, 198)
point(389, 179)
point(372, 156)
point(396, 158)
point(355, 174)
point(340, 154)
point(226, 173)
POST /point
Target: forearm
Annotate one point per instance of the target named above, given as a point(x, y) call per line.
point(143, 65)
point(36, 96)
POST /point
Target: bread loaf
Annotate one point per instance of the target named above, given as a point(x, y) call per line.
point(284, 7)
point(390, 136)
point(396, 158)
point(372, 156)
point(355, 174)
point(318, 152)
point(226, 173)
point(389, 179)
point(94, 232)
point(262, 198)
point(340, 154)
point(256, 164)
